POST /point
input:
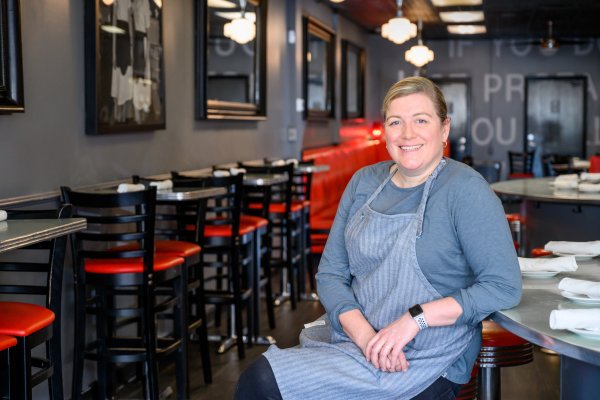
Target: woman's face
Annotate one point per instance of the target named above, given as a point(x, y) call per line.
point(415, 135)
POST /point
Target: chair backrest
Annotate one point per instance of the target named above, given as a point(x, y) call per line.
point(222, 210)
point(44, 258)
point(114, 219)
point(302, 183)
point(520, 162)
point(280, 192)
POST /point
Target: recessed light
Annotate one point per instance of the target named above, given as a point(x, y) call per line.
point(221, 4)
point(462, 16)
point(466, 29)
point(336, 1)
point(236, 14)
point(447, 3)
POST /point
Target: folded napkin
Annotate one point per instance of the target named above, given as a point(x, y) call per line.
point(566, 177)
point(130, 187)
point(162, 185)
point(292, 161)
point(593, 177)
point(3, 215)
point(565, 184)
point(589, 187)
point(236, 171)
point(580, 286)
point(588, 318)
point(558, 264)
point(3, 226)
point(580, 163)
point(221, 173)
point(278, 163)
point(592, 247)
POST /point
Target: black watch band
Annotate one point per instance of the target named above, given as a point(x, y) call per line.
point(416, 312)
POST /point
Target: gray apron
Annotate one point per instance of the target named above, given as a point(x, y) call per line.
point(386, 281)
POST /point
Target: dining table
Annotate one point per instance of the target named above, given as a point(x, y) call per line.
point(19, 233)
point(552, 214)
point(579, 350)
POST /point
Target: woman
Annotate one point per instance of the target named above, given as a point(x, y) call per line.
point(419, 253)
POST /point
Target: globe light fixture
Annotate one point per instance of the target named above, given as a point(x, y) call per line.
point(241, 30)
point(398, 29)
point(419, 54)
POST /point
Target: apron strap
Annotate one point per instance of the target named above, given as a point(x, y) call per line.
point(425, 196)
point(380, 188)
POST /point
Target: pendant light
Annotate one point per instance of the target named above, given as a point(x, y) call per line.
point(419, 54)
point(241, 30)
point(398, 29)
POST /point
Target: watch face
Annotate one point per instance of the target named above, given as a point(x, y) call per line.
point(415, 310)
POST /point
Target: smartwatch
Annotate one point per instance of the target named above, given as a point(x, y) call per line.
point(416, 312)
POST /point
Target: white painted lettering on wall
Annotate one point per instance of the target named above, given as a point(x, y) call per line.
point(492, 83)
point(512, 132)
point(520, 50)
point(224, 51)
point(583, 49)
point(456, 48)
point(591, 87)
point(483, 131)
point(596, 140)
point(514, 83)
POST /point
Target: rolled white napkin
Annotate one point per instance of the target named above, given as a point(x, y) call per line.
point(130, 187)
point(593, 177)
point(221, 173)
point(580, 248)
point(3, 226)
point(162, 185)
point(292, 161)
point(589, 187)
point(588, 318)
point(278, 163)
point(558, 264)
point(580, 163)
point(236, 171)
point(566, 177)
point(580, 286)
point(3, 215)
point(568, 184)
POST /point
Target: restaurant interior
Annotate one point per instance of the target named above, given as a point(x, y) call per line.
point(235, 126)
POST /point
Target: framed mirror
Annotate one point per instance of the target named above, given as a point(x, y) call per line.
point(231, 59)
point(318, 69)
point(353, 80)
point(11, 62)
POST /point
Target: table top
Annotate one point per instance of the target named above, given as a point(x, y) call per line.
point(23, 232)
point(264, 179)
point(187, 194)
point(307, 168)
point(540, 189)
point(530, 319)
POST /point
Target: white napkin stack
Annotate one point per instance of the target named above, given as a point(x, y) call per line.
point(162, 185)
point(558, 264)
point(236, 171)
point(130, 187)
point(593, 177)
point(567, 184)
point(278, 163)
point(580, 248)
point(292, 161)
point(580, 286)
point(221, 173)
point(3, 226)
point(589, 187)
point(566, 177)
point(3, 215)
point(588, 318)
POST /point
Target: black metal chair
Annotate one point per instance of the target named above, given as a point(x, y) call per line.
point(32, 324)
point(520, 164)
point(119, 288)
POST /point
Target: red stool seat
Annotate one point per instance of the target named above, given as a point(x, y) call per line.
point(279, 208)
point(7, 342)
point(177, 248)
point(252, 220)
point(514, 217)
point(23, 319)
point(539, 252)
point(130, 265)
point(225, 230)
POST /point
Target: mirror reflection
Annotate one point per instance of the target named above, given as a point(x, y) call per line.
point(352, 80)
point(318, 69)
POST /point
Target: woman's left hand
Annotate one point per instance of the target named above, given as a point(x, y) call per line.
point(385, 349)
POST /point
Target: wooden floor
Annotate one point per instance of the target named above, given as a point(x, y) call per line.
point(535, 381)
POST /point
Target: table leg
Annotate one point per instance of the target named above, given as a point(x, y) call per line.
point(578, 379)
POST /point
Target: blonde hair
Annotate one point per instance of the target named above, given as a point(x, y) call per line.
point(416, 84)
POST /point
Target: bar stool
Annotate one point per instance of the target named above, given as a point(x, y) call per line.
point(468, 391)
point(6, 343)
point(123, 292)
point(227, 246)
point(32, 324)
point(499, 348)
point(516, 223)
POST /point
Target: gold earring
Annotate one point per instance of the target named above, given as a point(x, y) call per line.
point(445, 143)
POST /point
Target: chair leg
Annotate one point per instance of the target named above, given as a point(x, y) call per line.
point(180, 332)
point(22, 360)
point(489, 383)
point(102, 334)
point(149, 338)
point(289, 250)
point(79, 337)
point(202, 329)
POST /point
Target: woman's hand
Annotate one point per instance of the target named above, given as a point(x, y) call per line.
point(385, 349)
point(357, 328)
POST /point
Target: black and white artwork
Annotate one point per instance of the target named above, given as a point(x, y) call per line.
point(125, 89)
point(11, 63)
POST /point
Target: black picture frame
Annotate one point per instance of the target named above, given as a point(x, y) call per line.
point(209, 35)
point(124, 67)
point(322, 77)
point(353, 80)
point(555, 113)
point(11, 60)
point(457, 92)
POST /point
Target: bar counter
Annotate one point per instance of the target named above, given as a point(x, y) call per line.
point(580, 356)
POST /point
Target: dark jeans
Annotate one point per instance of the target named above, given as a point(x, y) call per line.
point(257, 382)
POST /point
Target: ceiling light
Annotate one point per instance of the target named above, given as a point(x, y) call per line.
point(398, 29)
point(336, 1)
point(466, 29)
point(447, 3)
point(113, 29)
point(230, 15)
point(419, 54)
point(220, 4)
point(241, 30)
point(462, 16)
